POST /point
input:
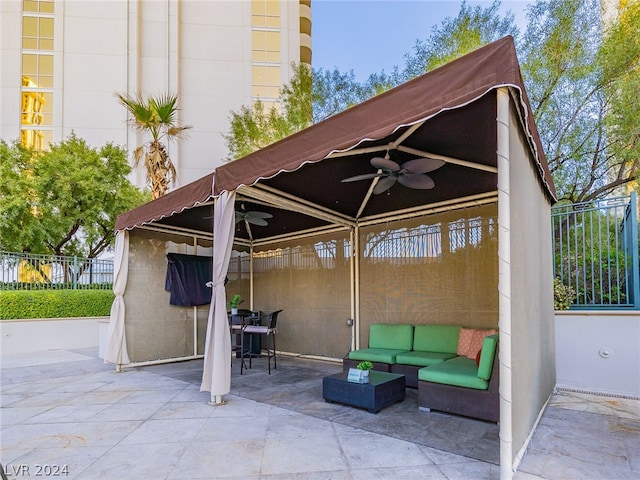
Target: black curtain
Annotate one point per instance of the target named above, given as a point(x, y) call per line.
point(187, 277)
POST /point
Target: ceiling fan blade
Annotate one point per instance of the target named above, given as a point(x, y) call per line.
point(254, 214)
point(422, 165)
point(366, 176)
point(418, 181)
point(257, 221)
point(385, 164)
point(384, 184)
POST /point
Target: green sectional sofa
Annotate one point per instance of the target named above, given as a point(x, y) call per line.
point(385, 342)
point(462, 386)
point(427, 355)
point(432, 344)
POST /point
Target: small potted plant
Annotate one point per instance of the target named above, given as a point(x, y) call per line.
point(234, 303)
point(365, 367)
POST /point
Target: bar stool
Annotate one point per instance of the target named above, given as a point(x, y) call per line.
point(237, 323)
point(269, 329)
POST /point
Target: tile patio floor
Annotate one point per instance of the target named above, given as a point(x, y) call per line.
point(67, 408)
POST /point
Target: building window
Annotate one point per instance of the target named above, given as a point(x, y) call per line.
point(36, 106)
point(265, 46)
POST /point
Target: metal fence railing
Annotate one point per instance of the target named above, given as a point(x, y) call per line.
point(21, 271)
point(596, 252)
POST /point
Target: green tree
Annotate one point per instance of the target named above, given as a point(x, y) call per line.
point(65, 200)
point(310, 97)
point(257, 126)
point(314, 95)
point(296, 98)
point(581, 80)
point(253, 128)
point(156, 116)
point(620, 55)
point(471, 29)
point(20, 227)
point(334, 91)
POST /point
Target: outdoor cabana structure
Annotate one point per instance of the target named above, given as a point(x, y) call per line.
point(474, 250)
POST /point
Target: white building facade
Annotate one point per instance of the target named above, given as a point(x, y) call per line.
point(63, 61)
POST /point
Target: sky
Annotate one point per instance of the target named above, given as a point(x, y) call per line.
point(368, 36)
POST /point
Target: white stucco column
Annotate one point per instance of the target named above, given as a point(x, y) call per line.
point(504, 284)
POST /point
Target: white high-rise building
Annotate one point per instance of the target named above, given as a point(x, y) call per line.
point(63, 61)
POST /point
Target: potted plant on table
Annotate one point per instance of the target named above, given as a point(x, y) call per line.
point(234, 303)
point(365, 367)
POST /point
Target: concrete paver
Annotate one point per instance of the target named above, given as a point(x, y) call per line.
point(68, 415)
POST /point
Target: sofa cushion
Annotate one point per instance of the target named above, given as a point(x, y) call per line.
point(470, 341)
point(487, 356)
point(391, 336)
point(382, 355)
point(423, 359)
point(459, 371)
point(436, 338)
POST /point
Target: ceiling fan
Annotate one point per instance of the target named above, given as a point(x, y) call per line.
point(411, 173)
point(255, 218)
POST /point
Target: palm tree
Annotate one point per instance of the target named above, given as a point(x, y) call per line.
point(157, 116)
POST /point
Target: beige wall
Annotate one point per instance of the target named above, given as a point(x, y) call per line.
point(597, 351)
point(531, 285)
point(41, 334)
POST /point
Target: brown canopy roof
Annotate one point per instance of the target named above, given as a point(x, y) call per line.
point(189, 196)
point(449, 111)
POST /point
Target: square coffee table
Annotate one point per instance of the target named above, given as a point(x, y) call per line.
point(382, 390)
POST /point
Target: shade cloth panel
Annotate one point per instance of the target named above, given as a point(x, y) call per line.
point(116, 350)
point(445, 264)
point(216, 374)
point(187, 278)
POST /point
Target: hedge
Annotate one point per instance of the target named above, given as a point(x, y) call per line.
point(54, 286)
point(55, 303)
